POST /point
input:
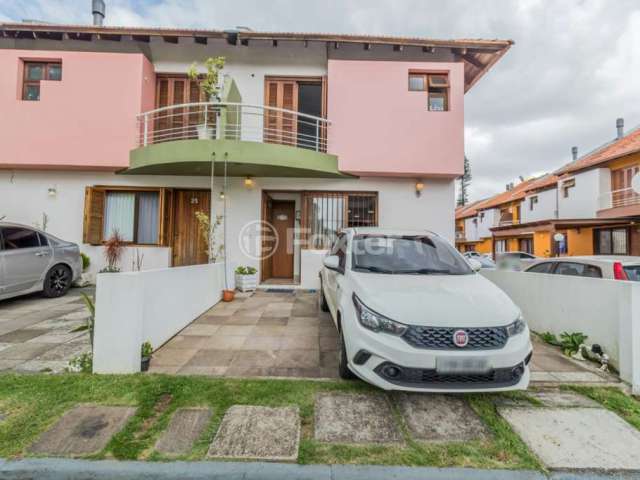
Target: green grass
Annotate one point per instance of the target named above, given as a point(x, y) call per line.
point(34, 402)
point(615, 400)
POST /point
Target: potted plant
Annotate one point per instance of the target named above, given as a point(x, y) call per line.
point(146, 351)
point(246, 278)
point(208, 232)
point(113, 249)
point(210, 87)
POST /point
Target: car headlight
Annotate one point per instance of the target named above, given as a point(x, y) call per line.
point(376, 322)
point(516, 327)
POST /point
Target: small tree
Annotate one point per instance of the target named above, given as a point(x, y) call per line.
point(208, 232)
point(209, 82)
point(113, 249)
point(465, 181)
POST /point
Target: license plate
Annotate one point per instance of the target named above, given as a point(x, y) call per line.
point(462, 365)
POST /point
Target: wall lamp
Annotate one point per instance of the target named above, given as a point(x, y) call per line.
point(248, 182)
point(52, 191)
point(419, 188)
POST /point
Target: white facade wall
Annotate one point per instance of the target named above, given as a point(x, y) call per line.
point(582, 201)
point(545, 209)
point(487, 221)
point(471, 229)
point(25, 198)
point(608, 311)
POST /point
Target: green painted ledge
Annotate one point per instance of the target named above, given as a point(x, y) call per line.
point(193, 157)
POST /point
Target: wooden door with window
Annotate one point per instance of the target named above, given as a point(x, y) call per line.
point(283, 221)
point(189, 245)
point(178, 122)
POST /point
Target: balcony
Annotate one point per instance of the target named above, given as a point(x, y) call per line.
point(619, 203)
point(246, 139)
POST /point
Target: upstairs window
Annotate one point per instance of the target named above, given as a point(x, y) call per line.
point(437, 87)
point(532, 201)
point(567, 185)
point(34, 72)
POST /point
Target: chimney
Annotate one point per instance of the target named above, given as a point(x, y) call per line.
point(98, 9)
point(574, 153)
point(620, 128)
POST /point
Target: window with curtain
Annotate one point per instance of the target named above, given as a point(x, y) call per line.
point(326, 213)
point(134, 215)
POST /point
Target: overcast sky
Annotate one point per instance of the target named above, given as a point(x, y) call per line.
point(574, 69)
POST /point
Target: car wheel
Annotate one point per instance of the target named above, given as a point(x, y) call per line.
point(57, 282)
point(343, 366)
point(324, 306)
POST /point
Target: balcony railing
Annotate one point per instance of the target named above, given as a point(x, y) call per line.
point(623, 197)
point(232, 121)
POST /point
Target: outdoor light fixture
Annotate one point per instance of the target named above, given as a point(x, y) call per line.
point(248, 182)
point(221, 195)
point(419, 188)
point(52, 191)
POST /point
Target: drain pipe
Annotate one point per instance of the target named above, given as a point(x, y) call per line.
point(224, 216)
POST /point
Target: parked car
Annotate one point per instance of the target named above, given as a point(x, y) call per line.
point(514, 260)
point(32, 260)
point(595, 266)
point(413, 315)
point(483, 260)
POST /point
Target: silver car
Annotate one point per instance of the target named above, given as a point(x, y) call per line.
point(32, 261)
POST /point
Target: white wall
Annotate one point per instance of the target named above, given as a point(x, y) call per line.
point(488, 221)
point(608, 311)
point(471, 229)
point(135, 307)
point(545, 209)
point(583, 198)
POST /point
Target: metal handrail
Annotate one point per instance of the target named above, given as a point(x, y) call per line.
point(232, 121)
point(622, 197)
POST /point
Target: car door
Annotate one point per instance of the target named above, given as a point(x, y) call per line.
point(333, 278)
point(578, 270)
point(25, 259)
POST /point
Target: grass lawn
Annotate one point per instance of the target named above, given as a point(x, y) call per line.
point(625, 406)
point(33, 403)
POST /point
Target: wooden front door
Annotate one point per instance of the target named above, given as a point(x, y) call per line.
point(283, 221)
point(189, 246)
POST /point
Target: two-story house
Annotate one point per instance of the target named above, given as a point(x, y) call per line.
point(586, 207)
point(103, 131)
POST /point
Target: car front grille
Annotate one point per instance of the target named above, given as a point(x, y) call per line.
point(430, 378)
point(441, 338)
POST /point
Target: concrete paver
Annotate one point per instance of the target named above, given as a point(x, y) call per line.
point(259, 433)
point(185, 427)
point(440, 418)
point(577, 438)
point(354, 419)
point(83, 430)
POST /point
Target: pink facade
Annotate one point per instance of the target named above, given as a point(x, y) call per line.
point(379, 127)
point(87, 120)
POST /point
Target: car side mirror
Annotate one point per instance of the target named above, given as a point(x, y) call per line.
point(474, 264)
point(332, 262)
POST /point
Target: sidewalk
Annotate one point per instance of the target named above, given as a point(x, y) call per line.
point(54, 469)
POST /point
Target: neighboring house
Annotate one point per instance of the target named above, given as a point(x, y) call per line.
point(590, 201)
point(104, 131)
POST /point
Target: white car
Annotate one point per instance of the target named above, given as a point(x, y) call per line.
point(412, 314)
point(613, 267)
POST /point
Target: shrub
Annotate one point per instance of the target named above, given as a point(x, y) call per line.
point(246, 270)
point(571, 342)
point(113, 249)
point(146, 350)
point(82, 363)
point(86, 261)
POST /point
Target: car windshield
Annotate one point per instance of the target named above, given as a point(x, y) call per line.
point(413, 254)
point(633, 272)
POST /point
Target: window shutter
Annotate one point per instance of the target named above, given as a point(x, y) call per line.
point(94, 199)
point(165, 231)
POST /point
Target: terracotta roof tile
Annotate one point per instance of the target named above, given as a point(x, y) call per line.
point(627, 145)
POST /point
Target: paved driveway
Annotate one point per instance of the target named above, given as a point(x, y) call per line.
point(36, 333)
point(285, 335)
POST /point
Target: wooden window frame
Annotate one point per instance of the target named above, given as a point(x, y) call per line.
point(136, 215)
point(26, 82)
point(428, 86)
point(308, 195)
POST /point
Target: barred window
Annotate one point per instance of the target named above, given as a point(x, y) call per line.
point(326, 213)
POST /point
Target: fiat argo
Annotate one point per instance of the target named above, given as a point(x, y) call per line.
point(413, 314)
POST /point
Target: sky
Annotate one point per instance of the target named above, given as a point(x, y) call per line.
point(574, 68)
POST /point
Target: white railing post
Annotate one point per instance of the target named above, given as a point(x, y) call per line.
point(146, 129)
point(317, 135)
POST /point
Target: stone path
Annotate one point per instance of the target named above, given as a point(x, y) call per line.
point(564, 429)
point(36, 333)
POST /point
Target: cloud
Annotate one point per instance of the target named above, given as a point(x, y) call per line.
point(573, 70)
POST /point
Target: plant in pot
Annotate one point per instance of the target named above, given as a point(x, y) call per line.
point(113, 250)
point(146, 352)
point(210, 87)
point(246, 278)
point(208, 230)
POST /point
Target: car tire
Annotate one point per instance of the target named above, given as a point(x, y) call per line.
point(57, 281)
point(343, 365)
point(324, 306)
